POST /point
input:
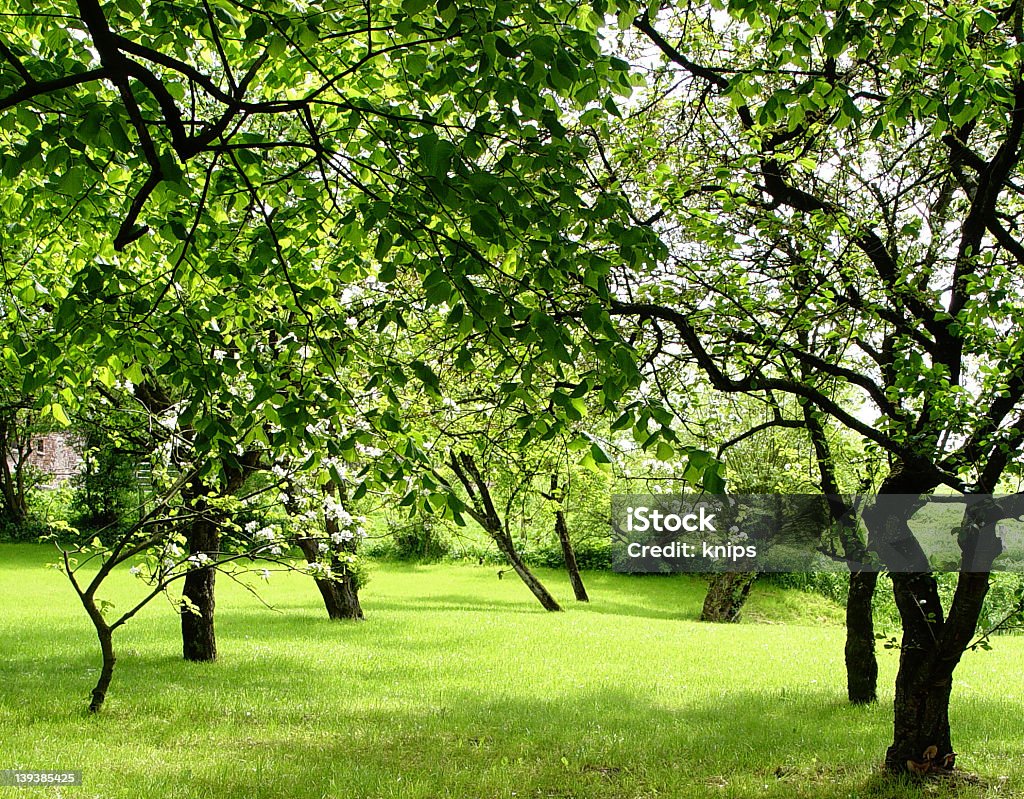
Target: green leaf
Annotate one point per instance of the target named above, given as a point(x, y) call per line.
point(985, 20)
point(58, 413)
point(256, 30)
point(414, 7)
point(384, 243)
point(436, 155)
point(598, 454)
point(565, 71)
point(484, 223)
point(506, 49)
point(713, 481)
point(426, 375)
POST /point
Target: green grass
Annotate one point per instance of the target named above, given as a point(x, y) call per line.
point(458, 685)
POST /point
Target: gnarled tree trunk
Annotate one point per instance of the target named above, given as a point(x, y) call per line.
point(198, 637)
point(340, 592)
point(861, 665)
point(932, 643)
point(726, 595)
point(921, 734)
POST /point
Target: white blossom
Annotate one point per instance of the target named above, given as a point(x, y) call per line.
point(267, 534)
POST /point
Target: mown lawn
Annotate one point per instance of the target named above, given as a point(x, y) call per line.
point(458, 685)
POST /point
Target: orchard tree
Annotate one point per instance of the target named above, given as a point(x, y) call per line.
point(840, 197)
point(328, 534)
point(155, 549)
point(258, 163)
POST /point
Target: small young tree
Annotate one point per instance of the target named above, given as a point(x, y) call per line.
point(481, 506)
point(155, 550)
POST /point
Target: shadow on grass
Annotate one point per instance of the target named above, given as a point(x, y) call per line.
point(602, 606)
point(598, 745)
point(463, 602)
point(292, 725)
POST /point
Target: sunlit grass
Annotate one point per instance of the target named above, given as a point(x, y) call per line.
point(459, 685)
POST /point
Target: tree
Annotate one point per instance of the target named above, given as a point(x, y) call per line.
point(760, 461)
point(850, 180)
point(16, 438)
point(330, 555)
point(135, 541)
point(481, 506)
point(266, 162)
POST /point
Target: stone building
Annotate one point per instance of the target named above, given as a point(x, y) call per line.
point(54, 455)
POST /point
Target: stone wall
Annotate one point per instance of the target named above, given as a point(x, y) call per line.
point(54, 454)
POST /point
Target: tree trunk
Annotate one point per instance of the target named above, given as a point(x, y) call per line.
point(726, 596)
point(569, 555)
point(99, 693)
point(340, 594)
point(861, 665)
point(465, 468)
point(932, 645)
point(347, 605)
point(198, 638)
point(921, 705)
point(578, 589)
point(106, 638)
point(921, 734)
point(14, 507)
point(536, 586)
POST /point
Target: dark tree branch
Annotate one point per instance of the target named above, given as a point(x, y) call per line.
point(15, 62)
point(755, 382)
point(34, 89)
